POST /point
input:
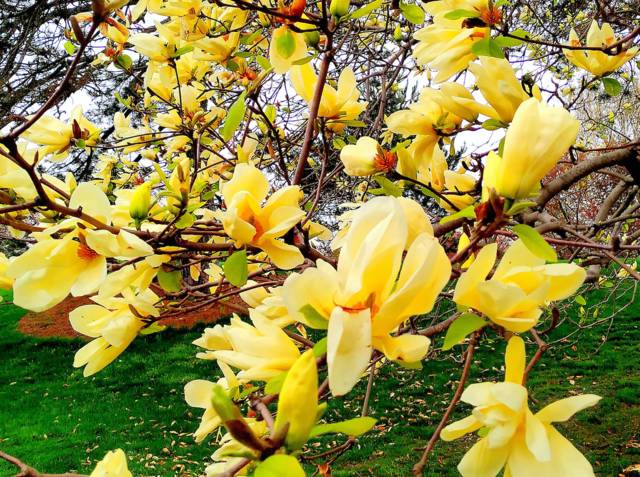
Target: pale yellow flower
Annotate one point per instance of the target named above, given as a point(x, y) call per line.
point(56, 136)
point(248, 222)
point(269, 303)
point(536, 140)
point(596, 62)
point(77, 263)
point(519, 288)
point(14, 177)
point(224, 456)
point(462, 187)
point(261, 351)
point(523, 443)
point(198, 394)
point(113, 464)
point(114, 326)
point(5, 282)
point(374, 289)
point(285, 48)
point(337, 105)
point(499, 86)
point(366, 157)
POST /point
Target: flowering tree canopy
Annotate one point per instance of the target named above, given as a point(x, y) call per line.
point(355, 180)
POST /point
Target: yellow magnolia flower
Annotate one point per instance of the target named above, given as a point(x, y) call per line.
point(523, 443)
point(521, 285)
point(77, 263)
point(220, 48)
point(338, 105)
point(131, 139)
point(261, 351)
point(366, 157)
point(194, 115)
point(261, 226)
point(268, 303)
point(135, 277)
point(56, 136)
point(224, 456)
point(114, 326)
point(5, 282)
point(596, 62)
point(375, 288)
point(498, 84)
point(462, 186)
point(445, 46)
point(286, 47)
point(14, 177)
point(198, 393)
point(536, 140)
point(157, 48)
point(113, 464)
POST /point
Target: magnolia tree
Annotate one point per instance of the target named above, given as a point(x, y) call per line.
point(338, 174)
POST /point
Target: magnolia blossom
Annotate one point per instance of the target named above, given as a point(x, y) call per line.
point(269, 303)
point(499, 86)
point(113, 323)
point(366, 157)
point(375, 288)
point(77, 263)
point(198, 393)
point(337, 105)
point(521, 285)
point(286, 47)
point(249, 223)
point(596, 62)
point(523, 443)
point(113, 464)
point(261, 351)
point(536, 140)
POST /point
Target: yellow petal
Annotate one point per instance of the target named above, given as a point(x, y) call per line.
point(482, 461)
point(564, 409)
point(348, 348)
point(515, 360)
point(460, 428)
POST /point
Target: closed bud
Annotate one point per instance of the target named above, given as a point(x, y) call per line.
point(339, 8)
point(298, 402)
point(140, 202)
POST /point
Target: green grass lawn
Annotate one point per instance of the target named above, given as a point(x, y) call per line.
point(58, 421)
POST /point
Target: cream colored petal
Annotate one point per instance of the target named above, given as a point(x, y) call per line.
point(536, 438)
point(198, 393)
point(407, 348)
point(92, 200)
point(515, 360)
point(482, 461)
point(283, 255)
point(91, 277)
point(348, 348)
point(460, 428)
point(564, 409)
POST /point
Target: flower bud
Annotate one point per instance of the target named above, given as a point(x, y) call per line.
point(140, 202)
point(339, 8)
point(298, 402)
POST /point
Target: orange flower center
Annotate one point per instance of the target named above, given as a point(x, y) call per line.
point(86, 253)
point(491, 16)
point(385, 162)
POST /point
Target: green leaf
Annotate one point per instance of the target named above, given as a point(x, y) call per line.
point(487, 47)
point(461, 13)
point(611, 86)
point(468, 212)
point(501, 3)
point(366, 9)
point(320, 347)
point(520, 206)
point(388, 187)
point(535, 242)
point(508, 42)
point(124, 61)
point(351, 427)
point(182, 51)
point(69, 47)
point(493, 124)
point(580, 300)
point(461, 328)
point(303, 60)
point(279, 465)
point(236, 269)
point(185, 221)
point(263, 62)
point(274, 385)
point(313, 318)
point(234, 117)
point(170, 281)
point(413, 13)
point(520, 33)
point(286, 44)
point(153, 328)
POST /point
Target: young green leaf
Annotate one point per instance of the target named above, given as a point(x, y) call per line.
point(487, 47)
point(413, 13)
point(461, 13)
point(535, 242)
point(279, 465)
point(611, 86)
point(236, 268)
point(351, 427)
point(366, 10)
point(234, 117)
point(461, 328)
